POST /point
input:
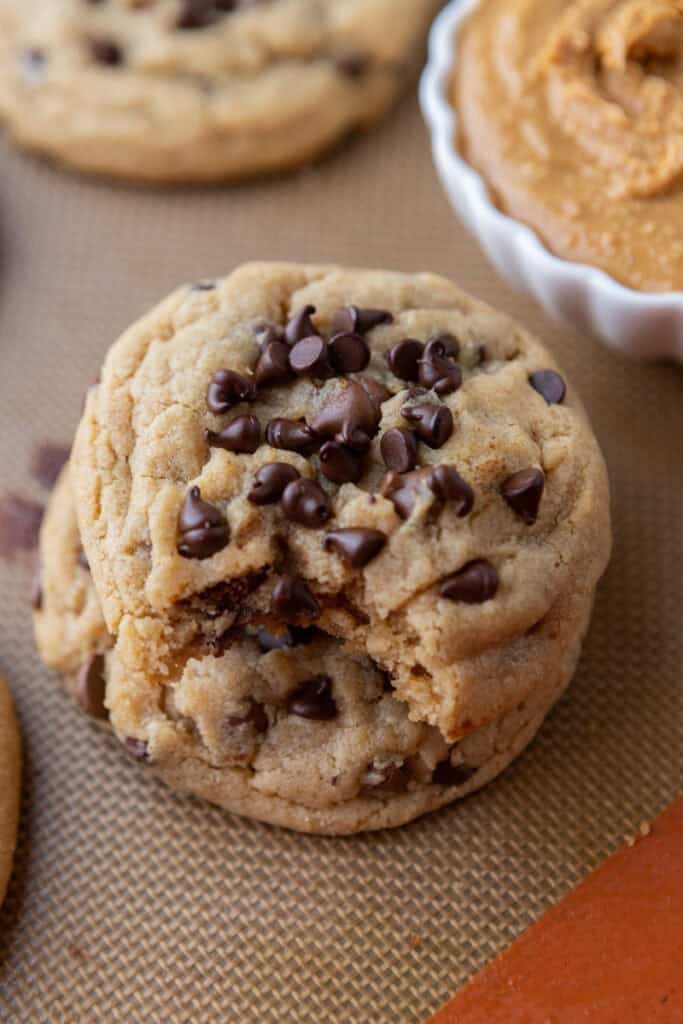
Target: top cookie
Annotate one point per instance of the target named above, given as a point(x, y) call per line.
point(181, 90)
point(373, 452)
point(10, 770)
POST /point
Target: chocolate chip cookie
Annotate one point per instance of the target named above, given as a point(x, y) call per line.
point(201, 90)
point(375, 457)
point(10, 775)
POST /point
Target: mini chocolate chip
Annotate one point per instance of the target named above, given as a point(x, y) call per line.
point(273, 365)
point(357, 546)
point(255, 716)
point(241, 435)
point(349, 353)
point(403, 358)
point(340, 465)
point(448, 485)
point(437, 370)
point(349, 417)
point(405, 490)
point(314, 700)
point(447, 774)
point(384, 779)
point(309, 357)
point(306, 503)
point(475, 583)
point(375, 390)
point(352, 320)
point(83, 561)
point(433, 424)
point(549, 384)
point(523, 492)
point(37, 589)
point(353, 65)
point(270, 481)
point(107, 52)
point(139, 749)
point(291, 598)
point(203, 286)
point(291, 436)
point(202, 528)
point(399, 449)
point(90, 687)
point(300, 326)
point(228, 388)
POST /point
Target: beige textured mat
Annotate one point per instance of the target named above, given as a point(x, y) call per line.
point(131, 904)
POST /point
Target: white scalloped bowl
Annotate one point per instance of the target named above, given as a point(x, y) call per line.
point(644, 325)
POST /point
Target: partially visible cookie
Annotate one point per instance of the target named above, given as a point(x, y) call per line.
point(191, 90)
point(10, 777)
point(67, 619)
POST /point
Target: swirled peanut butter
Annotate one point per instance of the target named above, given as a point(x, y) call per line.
point(573, 113)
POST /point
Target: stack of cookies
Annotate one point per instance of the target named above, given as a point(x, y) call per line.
point(327, 544)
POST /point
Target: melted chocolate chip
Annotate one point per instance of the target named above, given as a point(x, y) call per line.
point(403, 358)
point(273, 366)
point(270, 481)
point(357, 546)
point(139, 749)
point(438, 370)
point(349, 353)
point(314, 699)
point(306, 503)
point(309, 357)
point(349, 417)
point(291, 436)
point(300, 326)
point(241, 435)
point(385, 779)
point(447, 774)
point(399, 449)
point(523, 491)
point(202, 528)
point(228, 388)
point(339, 464)
point(549, 384)
point(405, 490)
point(433, 424)
point(293, 636)
point(106, 52)
point(375, 390)
point(46, 462)
point(255, 717)
point(448, 485)
point(292, 599)
point(90, 687)
point(475, 583)
point(229, 595)
point(352, 320)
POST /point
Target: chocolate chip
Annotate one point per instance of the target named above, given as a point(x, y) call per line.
point(433, 424)
point(47, 461)
point(203, 286)
point(405, 490)
point(437, 370)
point(340, 465)
point(273, 365)
point(349, 353)
point(449, 344)
point(403, 358)
point(306, 503)
point(352, 320)
point(90, 687)
point(523, 492)
point(197, 14)
point(37, 589)
point(241, 435)
point(202, 528)
point(300, 326)
point(291, 436)
point(228, 388)
point(349, 417)
point(314, 700)
point(382, 779)
point(549, 384)
point(255, 716)
point(448, 485)
point(309, 357)
point(375, 390)
point(139, 749)
point(357, 546)
point(475, 583)
point(399, 449)
point(293, 636)
point(229, 595)
point(353, 65)
point(447, 774)
point(270, 481)
point(106, 52)
point(291, 598)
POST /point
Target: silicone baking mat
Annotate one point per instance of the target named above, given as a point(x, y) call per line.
point(129, 903)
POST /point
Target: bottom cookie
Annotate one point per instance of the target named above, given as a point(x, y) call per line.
point(297, 729)
point(10, 776)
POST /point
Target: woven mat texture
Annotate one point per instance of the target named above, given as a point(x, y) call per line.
point(129, 903)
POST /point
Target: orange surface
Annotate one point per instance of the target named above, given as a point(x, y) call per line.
point(611, 952)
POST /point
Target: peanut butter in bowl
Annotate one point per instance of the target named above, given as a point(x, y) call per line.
point(572, 111)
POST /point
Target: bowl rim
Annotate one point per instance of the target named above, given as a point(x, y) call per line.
point(442, 120)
